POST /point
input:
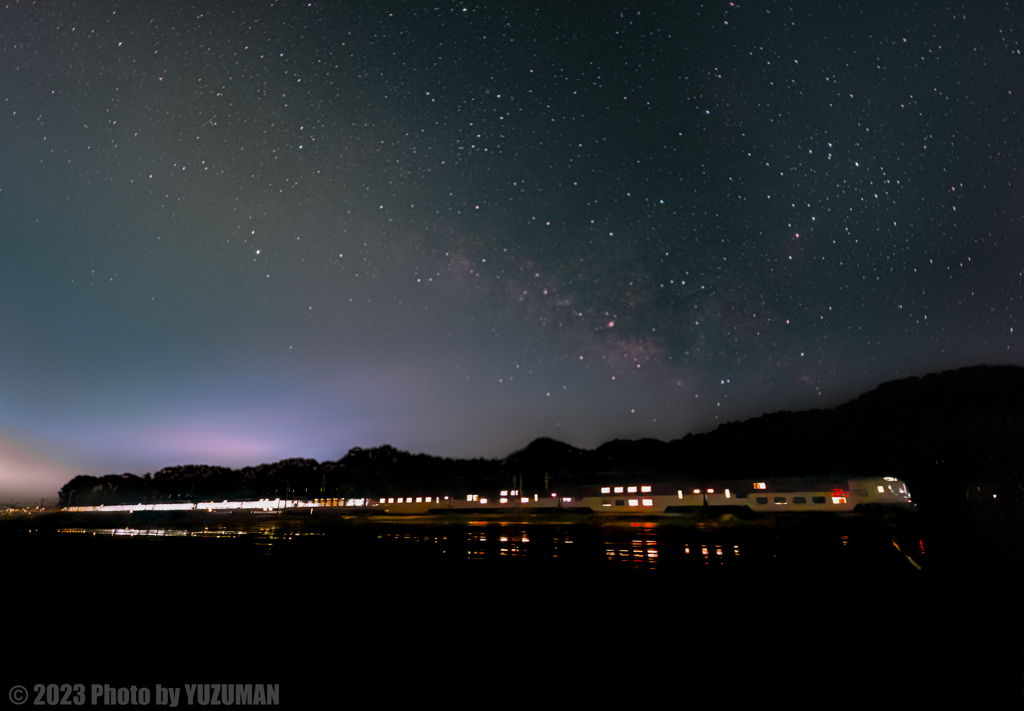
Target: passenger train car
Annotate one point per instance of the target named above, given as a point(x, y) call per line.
point(772, 496)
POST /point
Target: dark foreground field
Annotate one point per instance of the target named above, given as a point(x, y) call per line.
point(403, 611)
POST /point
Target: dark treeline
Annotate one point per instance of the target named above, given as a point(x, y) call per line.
point(954, 435)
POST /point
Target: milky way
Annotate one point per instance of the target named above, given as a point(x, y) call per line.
point(248, 231)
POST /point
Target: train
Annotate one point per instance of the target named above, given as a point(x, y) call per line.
point(769, 496)
point(743, 496)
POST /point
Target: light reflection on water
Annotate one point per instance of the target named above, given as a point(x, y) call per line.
point(638, 545)
point(263, 532)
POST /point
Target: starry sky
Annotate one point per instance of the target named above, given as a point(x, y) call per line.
point(232, 233)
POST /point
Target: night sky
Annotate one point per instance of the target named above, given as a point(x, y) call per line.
point(232, 233)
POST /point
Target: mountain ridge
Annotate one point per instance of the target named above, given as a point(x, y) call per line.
point(946, 428)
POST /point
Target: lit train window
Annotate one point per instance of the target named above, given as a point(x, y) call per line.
point(634, 502)
point(881, 490)
point(648, 502)
point(727, 494)
point(383, 501)
point(504, 493)
point(428, 499)
point(483, 501)
point(419, 499)
point(618, 489)
point(391, 501)
point(525, 499)
point(606, 490)
point(696, 491)
point(838, 499)
point(645, 489)
point(711, 491)
point(680, 493)
point(504, 500)
point(759, 485)
point(631, 489)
